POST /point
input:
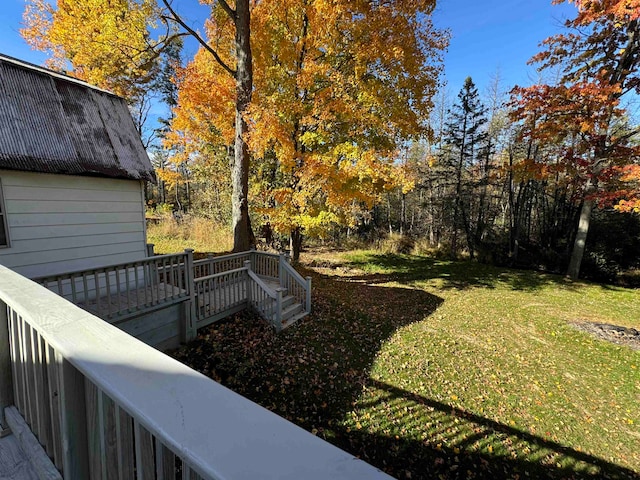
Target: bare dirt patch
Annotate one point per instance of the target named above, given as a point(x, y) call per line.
point(612, 333)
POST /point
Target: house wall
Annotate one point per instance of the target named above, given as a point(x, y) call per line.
point(63, 223)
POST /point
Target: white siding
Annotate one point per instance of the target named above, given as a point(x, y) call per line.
point(63, 223)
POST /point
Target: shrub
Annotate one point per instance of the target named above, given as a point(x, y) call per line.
point(396, 243)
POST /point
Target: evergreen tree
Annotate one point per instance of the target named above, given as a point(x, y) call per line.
point(465, 136)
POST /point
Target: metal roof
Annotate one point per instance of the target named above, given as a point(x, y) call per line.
point(52, 123)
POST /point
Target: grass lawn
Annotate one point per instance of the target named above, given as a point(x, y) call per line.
point(438, 369)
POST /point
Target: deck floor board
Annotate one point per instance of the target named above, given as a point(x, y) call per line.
point(14, 464)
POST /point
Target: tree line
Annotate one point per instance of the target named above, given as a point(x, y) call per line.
point(320, 117)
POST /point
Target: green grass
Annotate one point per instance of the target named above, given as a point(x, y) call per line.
point(437, 369)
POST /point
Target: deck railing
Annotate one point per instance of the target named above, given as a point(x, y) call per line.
point(105, 405)
point(266, 264)
point(213, 265)
point(114, 291)
point(211, 288)
point(220, 293)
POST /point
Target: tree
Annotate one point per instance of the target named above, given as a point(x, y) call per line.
point(340, 88)
point(110, 44)
point(583, 113)
point(465, 136)
point(337, 88)
point(240, 68)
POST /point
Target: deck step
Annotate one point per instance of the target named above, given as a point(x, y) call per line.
point(291, 311)
point(294, 319)
point(287, 301)
point(294, 311)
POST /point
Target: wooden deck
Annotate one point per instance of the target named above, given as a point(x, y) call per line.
point(181, 295)
point(22, 457)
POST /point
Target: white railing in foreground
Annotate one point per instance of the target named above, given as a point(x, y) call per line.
point(105, 405)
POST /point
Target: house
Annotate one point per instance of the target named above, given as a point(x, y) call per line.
point(72, 168)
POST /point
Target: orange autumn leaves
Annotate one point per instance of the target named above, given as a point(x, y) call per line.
point(583, 115)
point(593, 10)
point(337, 87)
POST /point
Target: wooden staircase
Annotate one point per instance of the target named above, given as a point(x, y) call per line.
point(292, 309)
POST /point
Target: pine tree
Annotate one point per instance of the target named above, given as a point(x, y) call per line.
point(465, 137)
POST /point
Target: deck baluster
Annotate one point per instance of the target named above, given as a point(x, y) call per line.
point(108, 287)
point(136, 284)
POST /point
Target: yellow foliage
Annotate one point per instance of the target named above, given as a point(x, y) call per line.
point(337, 84)
point(106, 43)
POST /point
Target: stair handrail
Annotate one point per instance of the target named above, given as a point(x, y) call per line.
point(304, 283)
point(268, 290)
point(272, 310)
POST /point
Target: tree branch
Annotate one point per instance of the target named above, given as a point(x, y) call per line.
point(176, 18)
point(230, 11)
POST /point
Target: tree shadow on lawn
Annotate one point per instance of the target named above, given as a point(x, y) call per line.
point(314, 374)
point(458, 275)
point(529, 455)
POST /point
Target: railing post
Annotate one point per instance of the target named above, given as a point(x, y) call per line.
point(281, 261)
point(252, 257)
point(150, 273)
point(6, 379)
point(278, 309)
point(209, 264)
point(308, 306)
point(189, 328)
point(74, 420)
point(247, 265)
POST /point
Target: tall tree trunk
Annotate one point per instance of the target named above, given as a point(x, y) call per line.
point(581, 238)
point(389, 213)
point(403, 213)
point(295, 243)
point(242, 233)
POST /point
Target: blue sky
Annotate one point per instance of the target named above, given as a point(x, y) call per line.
point(487, 36)
point(496, 35)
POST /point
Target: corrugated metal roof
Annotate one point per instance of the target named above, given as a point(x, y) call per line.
point(52, 123)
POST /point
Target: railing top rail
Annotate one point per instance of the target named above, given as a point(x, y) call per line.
point(267, 289)
point(234, 255)
point(170, 399)
point(221, 274)
point(266, 254)
point(221, 257)
point(111, 266)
